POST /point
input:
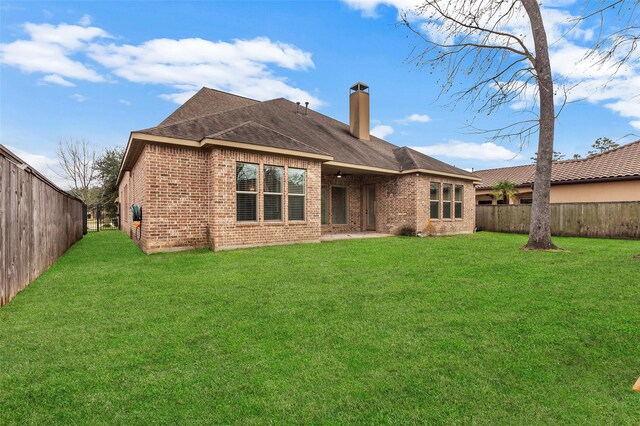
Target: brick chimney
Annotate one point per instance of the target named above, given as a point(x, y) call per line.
point(359, 111)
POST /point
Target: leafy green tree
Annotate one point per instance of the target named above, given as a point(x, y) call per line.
point(504, 190)
point(602, 145)
point(107, 168)
point(557, 156)
point(577, 156)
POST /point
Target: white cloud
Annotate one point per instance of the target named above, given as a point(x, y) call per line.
point(382, 130)
point(46, 165)
point(85, 21)
point(241, 66)
point(124, 102)
point(415, 118)
point(568, 43)
point(487, 151)
point(78, 98)
point(49, 48)
point(245, 67)
point(56, 79)
point(635, 124)
point(368, 8)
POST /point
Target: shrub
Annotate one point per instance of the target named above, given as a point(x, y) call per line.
point(407, 231)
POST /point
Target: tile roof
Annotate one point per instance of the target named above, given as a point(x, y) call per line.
point(275, 123)
point(619, 163)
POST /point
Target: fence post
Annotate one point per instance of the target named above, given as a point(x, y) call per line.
point(84, 219)
point(98, 217)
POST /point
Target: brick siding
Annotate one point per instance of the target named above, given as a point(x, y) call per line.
point(188, 197)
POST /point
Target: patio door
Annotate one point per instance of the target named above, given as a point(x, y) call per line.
point(370, 207)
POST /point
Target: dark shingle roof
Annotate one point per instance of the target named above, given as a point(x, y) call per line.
point(619, 163)
point(207, 101)
point(275, 123)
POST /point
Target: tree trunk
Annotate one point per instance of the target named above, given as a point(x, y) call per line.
point(540, 230)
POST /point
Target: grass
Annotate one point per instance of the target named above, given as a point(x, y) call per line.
point(464, 329)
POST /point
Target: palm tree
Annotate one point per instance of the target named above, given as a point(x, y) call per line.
point(504, 190)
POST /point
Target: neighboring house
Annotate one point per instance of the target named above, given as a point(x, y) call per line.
point(611, 176)
point(225, 171)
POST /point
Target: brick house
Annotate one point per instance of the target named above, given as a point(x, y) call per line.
point(224, 171)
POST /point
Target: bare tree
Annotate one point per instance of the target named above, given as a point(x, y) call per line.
point(485, 42)
point(621, 45)
point(77, 161)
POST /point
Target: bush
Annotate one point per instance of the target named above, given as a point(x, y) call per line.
point(407, 231)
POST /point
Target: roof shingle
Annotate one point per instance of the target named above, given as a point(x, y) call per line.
point(276, 123)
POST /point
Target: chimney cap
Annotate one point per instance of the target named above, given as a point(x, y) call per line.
point(360, 87)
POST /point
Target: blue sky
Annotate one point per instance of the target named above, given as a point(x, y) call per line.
point(98, 70)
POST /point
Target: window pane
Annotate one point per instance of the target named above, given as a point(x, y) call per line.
point(446, 192)
point(246, 207)
point(459, 199)
point(458, 210)
point(434, 213)
point(434, 204)
point(273, 177)
point(446, 209)
point(338, 205)
point(296, 181)
point(246, 177)
point(458, 194)
point(434, 194)
point(324, 204)
point(272, 207)
point(296, 207)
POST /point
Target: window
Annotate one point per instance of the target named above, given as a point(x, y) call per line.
point(526, 201)
point(338, 205)
point(324, 205)
point(458, 196)
point(273, 179)
point(246, 192)
point(446, 200)
point(434, 201)
point(484, 202)
point(296, 180)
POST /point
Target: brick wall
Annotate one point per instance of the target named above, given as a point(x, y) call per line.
point(188, 197)
point(445, 226)
point(401, 201)
point(177, 192)
point(395, 202)
point(226, 232)
point(132, 190)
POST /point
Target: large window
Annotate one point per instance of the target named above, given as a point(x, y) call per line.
point(434, 201)
point(273, 183)
point(458, 197)
point(296, 180)
point(447, 190)
point(246, 192)
point(324, 205)
point(338, 205)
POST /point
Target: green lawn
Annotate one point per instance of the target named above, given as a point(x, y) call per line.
point(464, 329)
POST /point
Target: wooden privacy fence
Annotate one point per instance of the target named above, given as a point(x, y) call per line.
point(600, 220)
point(38, 222)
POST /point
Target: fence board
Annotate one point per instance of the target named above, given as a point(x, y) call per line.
point(597, 220)
point(38, 223)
